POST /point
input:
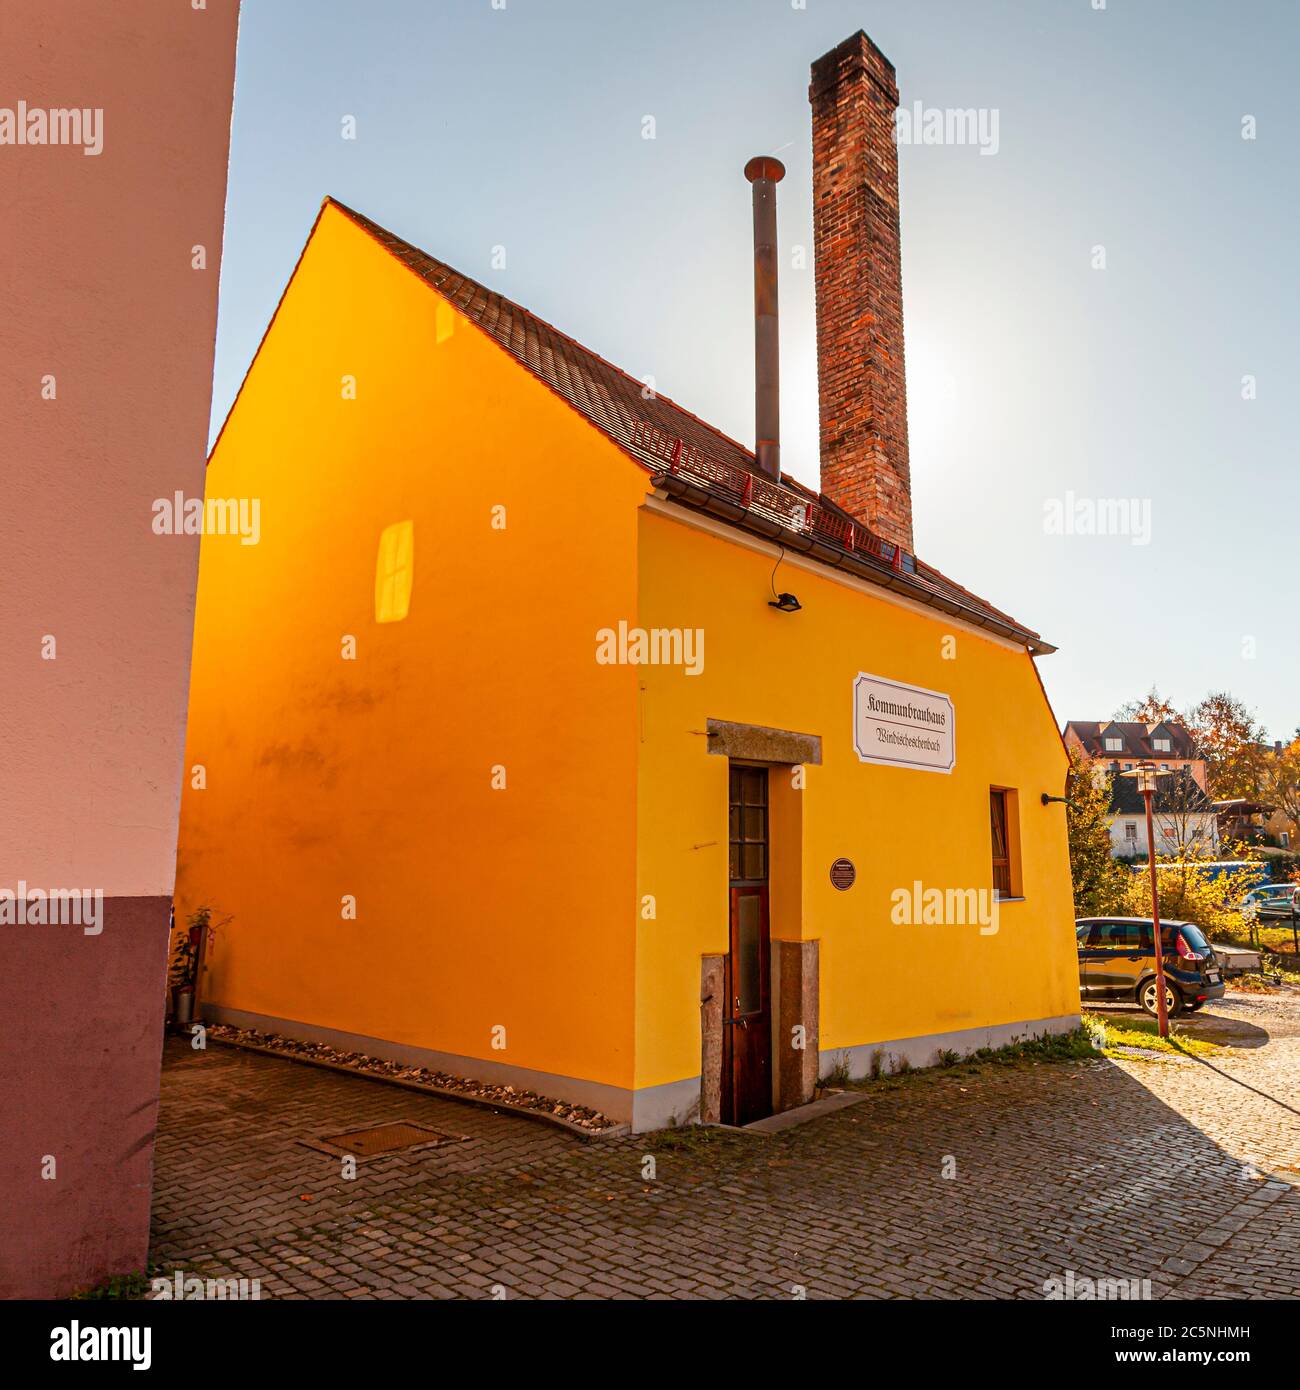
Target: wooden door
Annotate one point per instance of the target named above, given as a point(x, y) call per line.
point(747, 1011)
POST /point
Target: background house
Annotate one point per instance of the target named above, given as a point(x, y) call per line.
point(1183, 818)
point(1115, 745)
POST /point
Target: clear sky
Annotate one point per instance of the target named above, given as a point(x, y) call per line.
point(1037, 383)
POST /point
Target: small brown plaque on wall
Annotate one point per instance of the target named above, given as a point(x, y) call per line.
point(843, 874)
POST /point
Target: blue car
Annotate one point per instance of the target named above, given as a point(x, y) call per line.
point(1273, 902)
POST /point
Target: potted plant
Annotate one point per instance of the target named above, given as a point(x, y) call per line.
point(183, 975)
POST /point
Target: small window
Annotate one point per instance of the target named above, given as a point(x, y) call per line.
point(748, 815)
point(999, 823)
point(1161, 745)
point(1285, 837)
point(1114, 745)
point(1130, 830)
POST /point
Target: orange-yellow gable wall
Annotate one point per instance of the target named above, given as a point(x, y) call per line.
point(325, 777)
point(878, 981)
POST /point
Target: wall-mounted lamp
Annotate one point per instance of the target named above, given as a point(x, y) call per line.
point(782, 602)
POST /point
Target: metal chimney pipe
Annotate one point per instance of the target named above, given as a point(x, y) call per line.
point(765, 173)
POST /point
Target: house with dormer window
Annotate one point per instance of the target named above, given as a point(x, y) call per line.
point(1117, 745)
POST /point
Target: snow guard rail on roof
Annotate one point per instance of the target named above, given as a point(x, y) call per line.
point(787, 508)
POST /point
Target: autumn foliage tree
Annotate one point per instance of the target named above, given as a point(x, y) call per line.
point(1152, 708)
point(1282, 781)
point(1226, 732)
point(1232, 741)
point(1099, 881)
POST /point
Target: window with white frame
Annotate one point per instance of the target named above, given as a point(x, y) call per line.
point(1161, 745)
point(1113, 745)
point(1130, 830)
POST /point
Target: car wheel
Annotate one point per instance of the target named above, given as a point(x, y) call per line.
point(1147, 998)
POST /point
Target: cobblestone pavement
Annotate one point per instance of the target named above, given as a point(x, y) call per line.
point(1181, 1172)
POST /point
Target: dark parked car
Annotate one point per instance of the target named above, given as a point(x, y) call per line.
point(1117, 961)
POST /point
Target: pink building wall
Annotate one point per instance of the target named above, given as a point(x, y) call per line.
point(100, 295)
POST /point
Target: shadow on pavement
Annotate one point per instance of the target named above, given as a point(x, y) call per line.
point(1216, 1028)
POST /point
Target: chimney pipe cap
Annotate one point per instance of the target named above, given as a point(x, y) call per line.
point(764, 166)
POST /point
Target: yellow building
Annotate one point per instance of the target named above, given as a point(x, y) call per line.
point(507, 757)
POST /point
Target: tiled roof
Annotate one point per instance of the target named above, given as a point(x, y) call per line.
point(661, 435)
point(1136, 739)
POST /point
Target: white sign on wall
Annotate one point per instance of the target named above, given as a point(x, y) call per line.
point(903, 725)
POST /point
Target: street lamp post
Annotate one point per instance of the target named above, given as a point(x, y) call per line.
point(1146, 782)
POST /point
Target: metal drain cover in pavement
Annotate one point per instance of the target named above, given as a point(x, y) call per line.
point(382, 1139)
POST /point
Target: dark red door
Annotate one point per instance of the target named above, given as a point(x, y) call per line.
point(747, 1014)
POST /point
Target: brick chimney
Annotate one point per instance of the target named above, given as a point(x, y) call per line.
point(862, 390)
